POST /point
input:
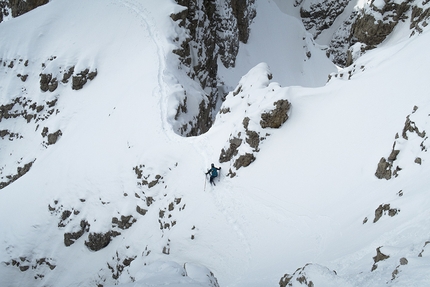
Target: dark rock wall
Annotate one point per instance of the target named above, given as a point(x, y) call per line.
point(215, 29)
point(320, 16)
point(18, 7)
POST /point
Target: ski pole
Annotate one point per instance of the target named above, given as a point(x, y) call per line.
point(204, 189)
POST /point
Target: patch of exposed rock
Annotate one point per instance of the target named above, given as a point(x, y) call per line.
point(98, 241)
point(413, 138)
point(20, 171)
point(379, 257)
point(48, 83)
point(71, 237)
point(312, 275)
point(385, 209)
point(40, 265)
point(276, 117)
point(81, 78)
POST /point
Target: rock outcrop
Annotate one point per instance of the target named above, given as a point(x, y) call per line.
point(260, 115)
point(413, 139)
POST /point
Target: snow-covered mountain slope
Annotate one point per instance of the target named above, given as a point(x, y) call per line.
point(323, 171)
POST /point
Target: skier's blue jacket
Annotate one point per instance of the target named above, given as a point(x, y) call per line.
point(214, 172)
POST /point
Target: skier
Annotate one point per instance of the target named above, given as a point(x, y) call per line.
point(213, 173)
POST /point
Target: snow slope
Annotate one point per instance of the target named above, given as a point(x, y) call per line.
point(119, 170)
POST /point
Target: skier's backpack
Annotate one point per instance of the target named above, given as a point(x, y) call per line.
point(214, 172)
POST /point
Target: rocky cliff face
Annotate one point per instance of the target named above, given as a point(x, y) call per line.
point(214, 30)
point(365, 27)
point(15, 8)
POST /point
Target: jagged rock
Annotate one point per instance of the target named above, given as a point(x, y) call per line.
point(410, 126)
point(312, 275)
point(367, 27)
point(98, 241)
point(244, 13)
point(53, 138)
point(125, 222)
point(276, 117)
point(166, 249)
point(422, 251)
point(215, 29)
point(244, 160)
point(382, 209)
point(71, 237)
point(19, 7)
point(4, 10)
point(403, 261)
point(419, 19)
point(140, 210)
point(384, 169)
point(227, 155)
point(81, 78)
point(252, 137)
point(66, 214)
point(4, 133)
point(4, 111)
point(52, 103)
point(320, 16)
point(48, 83)
point(156, 181)
point(370, 31)
point(149, 200)
point(20, 172)
point(393, 155)
point(22, 77)
point(200, 274)
point(67, 75)
point(45, 131)
point(379, 257)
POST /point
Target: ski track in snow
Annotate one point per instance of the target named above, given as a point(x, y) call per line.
point(161, 91)
point(227, 205)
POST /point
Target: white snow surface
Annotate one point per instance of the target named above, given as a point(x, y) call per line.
point(303, 200)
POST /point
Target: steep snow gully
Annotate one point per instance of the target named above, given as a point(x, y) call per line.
point(140, 10)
